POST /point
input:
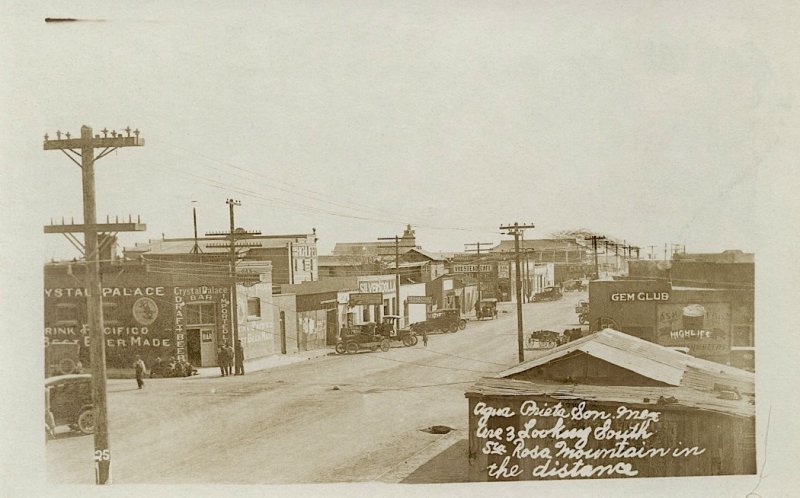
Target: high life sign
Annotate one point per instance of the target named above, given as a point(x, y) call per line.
point(639, 296)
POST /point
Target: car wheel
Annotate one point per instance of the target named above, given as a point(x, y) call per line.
point(352, 347)
point(453, 328)
point(66, 366)
point(408, 341)
point(385, 345)
point(415, 340)
point(86, 421)
point(462, 324)
point(340, 348)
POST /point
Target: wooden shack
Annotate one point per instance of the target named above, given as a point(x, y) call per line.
point(611, 405)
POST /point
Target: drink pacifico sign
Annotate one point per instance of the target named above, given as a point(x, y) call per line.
point(703, 328)
point(137, 320)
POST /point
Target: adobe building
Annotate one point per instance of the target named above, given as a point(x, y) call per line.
point(611, 405)
point(158, 310)
point(570, 259)
point(292, 257)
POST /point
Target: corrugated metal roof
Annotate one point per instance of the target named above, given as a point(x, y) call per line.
point(647, 359)
point(683, 397)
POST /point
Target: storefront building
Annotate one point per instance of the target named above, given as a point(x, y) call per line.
point(156, 311)
point(715, 324)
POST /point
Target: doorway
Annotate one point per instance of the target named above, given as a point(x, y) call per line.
point(193, 346)
point(200, 348)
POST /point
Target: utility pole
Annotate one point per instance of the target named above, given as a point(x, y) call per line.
point(516, 230)
point(94, 302)
point(595, 238)
point(651, 251)
point(396, 240)
point(478, 251)
point(196, 246)
point(233, 235)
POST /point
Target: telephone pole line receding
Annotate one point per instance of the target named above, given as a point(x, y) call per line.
point(397, 246)
point(94, 302)
point(233, 235)
point(595, 238)
point(516, 230)
point(478, 251)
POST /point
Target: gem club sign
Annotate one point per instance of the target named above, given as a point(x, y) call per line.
point(618, 297)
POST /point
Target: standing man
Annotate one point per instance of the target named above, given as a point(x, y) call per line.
point(221, 360)
point(229, 354)
point(138, 365)
point(424, 338)
point(239, 357)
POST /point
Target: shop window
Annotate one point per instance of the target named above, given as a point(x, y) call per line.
point(365, 314)
point(200, 314)
point(66, 313)
point(254, 307)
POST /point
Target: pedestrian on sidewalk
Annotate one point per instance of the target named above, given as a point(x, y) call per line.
point(229, 354)
point(239, 357)
point(425, 338)
point(221, 360)
point(138, 365)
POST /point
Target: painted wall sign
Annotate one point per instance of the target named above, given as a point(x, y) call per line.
point(703, 328)
point(503, 270)
point(639, 296)
point(372, 286)
point(59, 292)
point(366, 298)
point(546, 440)
point(145, 311)
point(419, 300)
point(471, 268)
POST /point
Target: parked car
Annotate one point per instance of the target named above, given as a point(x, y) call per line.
point(68, 401)
point(486, 308)
point(548, 294)
point(443, 320)
point(573, 285)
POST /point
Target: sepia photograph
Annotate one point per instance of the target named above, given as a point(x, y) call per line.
point(423, 248)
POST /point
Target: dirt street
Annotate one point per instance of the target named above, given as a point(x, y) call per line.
point(292, 425)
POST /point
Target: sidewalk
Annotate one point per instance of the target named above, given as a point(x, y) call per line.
point(255, 365)
point(272, 361)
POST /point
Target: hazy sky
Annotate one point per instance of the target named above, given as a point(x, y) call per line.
point(648, 121)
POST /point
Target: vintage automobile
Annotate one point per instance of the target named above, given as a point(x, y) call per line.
point(548, 294)
point(582, 309)
point(443, 320)
point(544, 339)
point(486, 308)
point(390, 328)
point(68, 401)
point(62, 358)
point(573, 285)
point(365, 336)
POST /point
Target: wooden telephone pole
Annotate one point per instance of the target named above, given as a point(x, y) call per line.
point(397, 247)
point(232, 245)
point(595, 238)
point(71, 147)
point(516, 230)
